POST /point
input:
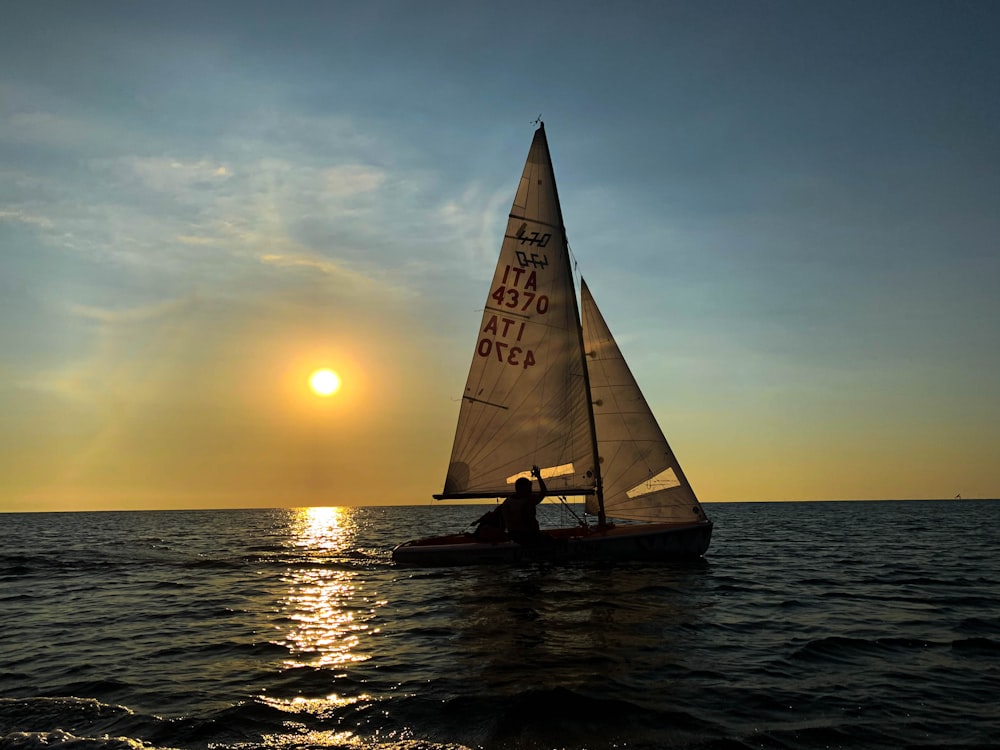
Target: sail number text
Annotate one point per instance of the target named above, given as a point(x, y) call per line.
point(535, 239)
point(518, 292)
point(505, 353)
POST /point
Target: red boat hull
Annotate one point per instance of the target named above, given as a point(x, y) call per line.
point(659, 541)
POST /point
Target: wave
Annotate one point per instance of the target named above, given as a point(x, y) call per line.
point(974, 646)
point(840, 648)
point(62, 740)
point(845, 648)
point(66, 722)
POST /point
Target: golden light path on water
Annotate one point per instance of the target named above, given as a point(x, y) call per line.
point(328, 614)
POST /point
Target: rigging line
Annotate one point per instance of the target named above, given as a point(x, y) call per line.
point(574, 262)
point(567, 506)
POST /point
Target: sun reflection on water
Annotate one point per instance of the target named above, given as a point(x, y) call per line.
point(328, 610)
point(326, 529)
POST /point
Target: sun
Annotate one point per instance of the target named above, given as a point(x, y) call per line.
point(324, 382)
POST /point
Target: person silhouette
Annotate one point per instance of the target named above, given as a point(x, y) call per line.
point(518, 510)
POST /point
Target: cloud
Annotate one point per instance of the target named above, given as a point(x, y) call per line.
point(40, 128)
point(175, 175)
point(347, 282)
point(185, 217)
point(351, 180)
point(190, 239)
point(141, 313)
point(474, 220)
point(121, 344)
point(22, 217)
point(283, 190)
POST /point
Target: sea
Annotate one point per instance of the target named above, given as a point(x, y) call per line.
point(806, 625)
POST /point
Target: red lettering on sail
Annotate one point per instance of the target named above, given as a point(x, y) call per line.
point(519, 291)
point(491, 327)
point(505, 353)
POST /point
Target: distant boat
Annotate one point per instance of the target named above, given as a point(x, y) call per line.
point(958, 497)
point(549, 387)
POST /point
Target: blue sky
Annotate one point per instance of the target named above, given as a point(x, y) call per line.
point(787, 212)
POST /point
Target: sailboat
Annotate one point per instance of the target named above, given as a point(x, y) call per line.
point(549, 389)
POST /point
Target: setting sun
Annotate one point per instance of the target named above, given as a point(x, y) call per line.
point(324, 382)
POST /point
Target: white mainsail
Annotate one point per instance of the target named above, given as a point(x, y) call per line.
point(642, 479)
point(525, 400)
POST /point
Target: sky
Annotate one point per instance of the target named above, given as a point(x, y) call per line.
point(787, 211)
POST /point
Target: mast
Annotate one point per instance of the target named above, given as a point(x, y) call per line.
point(601, 517)
point(598, 484)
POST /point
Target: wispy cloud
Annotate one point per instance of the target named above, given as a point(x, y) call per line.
point(174, 214)
point(23, 217)
point(175, 175)
point(291, 190)
point(142, 313)
point(474, 219)
point(125, 340)
point(351, 180)
point(342, 277)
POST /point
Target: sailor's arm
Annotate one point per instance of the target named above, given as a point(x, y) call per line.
point(537, 474)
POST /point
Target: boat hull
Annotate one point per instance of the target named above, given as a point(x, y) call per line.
point(652, 542)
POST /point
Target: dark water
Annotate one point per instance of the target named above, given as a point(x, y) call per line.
point(808, 625)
